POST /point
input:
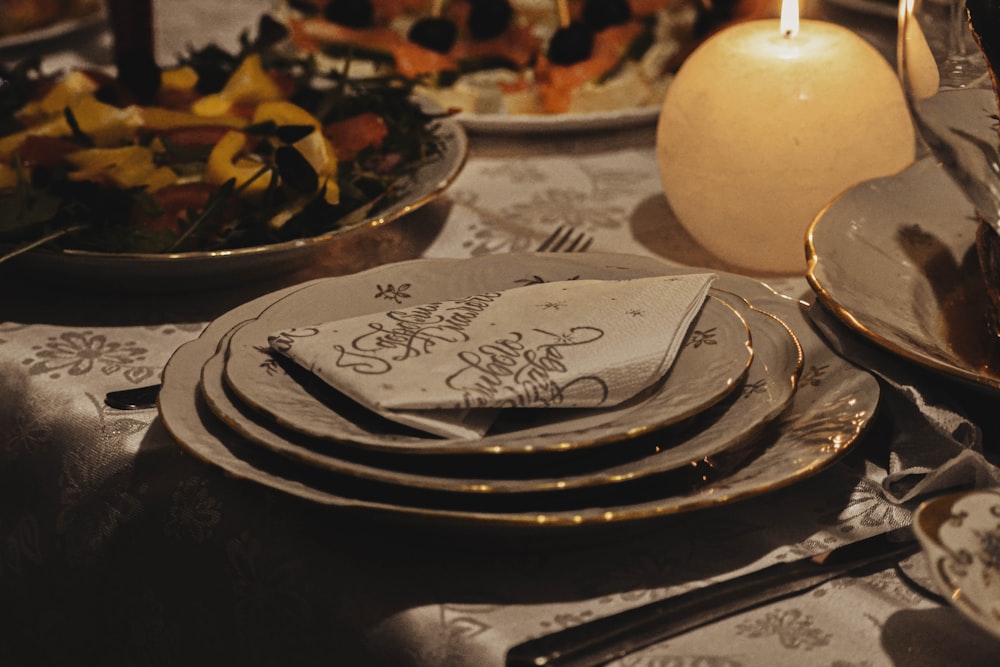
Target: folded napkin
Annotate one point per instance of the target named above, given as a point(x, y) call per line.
point(937, 446)
point(580, 343)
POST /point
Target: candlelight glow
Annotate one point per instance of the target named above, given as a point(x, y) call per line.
point(768, 121)
point(789, 18)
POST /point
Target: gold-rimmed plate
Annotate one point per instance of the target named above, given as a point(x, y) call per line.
point(833, 404)
point(712, 362)
point(895, 260)
point(147, 272)
point(960, 533)
point(766, 392)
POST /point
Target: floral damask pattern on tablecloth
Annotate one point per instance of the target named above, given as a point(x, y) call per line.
point(104, 358)
point(526, 202)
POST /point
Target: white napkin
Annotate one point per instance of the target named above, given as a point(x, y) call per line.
point(580, 343)
point(937, 447)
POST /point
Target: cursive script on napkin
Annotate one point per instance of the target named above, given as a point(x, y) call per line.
point(583, 343)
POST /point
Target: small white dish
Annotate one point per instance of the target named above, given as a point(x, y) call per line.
point(960, 533)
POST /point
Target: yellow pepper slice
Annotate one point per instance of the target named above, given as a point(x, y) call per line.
point(224, 163)
point(107, 125)
point(179, 78)
point(125, 167)
point(159, 118)
point(314, 147)
point(57, 127)
point(248, 84)
point(69, 88)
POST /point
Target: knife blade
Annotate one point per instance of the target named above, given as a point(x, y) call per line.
point(616, 635)
point(136, 398)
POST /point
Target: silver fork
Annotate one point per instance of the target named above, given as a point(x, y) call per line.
point(566, 239)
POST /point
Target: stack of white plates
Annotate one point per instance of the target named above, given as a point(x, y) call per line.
point(754, 401)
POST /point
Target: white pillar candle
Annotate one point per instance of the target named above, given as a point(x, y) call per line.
point(768, 121)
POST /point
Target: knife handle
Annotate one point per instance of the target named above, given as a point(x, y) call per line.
point(610, 637)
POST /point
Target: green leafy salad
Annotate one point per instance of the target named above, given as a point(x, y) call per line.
point(220, 151)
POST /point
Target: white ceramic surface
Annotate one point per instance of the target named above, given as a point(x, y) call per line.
point(714, 359)
point(960, 533)
point(768, 389)
point(894, 259)
point(832, 406)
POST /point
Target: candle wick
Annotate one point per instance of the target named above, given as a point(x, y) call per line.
point(788, 33)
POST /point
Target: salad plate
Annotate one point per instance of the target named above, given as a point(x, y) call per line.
point(196, 270)
point(768, 389)
point(894, 259)
point(960, 533)
point(833, 404)
point(219, 168)
point(714, 360)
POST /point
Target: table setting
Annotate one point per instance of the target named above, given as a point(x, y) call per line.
point(699, 378)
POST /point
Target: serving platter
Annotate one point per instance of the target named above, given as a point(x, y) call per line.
point(150, 272)
point(894, 259)
point(832, 406)
point(715, 359)
point(625, 98)
point(960, 533)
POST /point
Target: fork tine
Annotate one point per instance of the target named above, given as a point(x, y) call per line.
point(566, 239)
point(561, 241)
point(574, 243)
point(555, 240)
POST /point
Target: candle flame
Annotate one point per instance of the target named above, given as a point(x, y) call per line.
point(789, 18)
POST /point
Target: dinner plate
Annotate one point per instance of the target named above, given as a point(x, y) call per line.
point(769, 387)
point(894, 258)
point(52, 31)
point(832, 406)
point(198, 270)
point(713, 361)
point(960, 533)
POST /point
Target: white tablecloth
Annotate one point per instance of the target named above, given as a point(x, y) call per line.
point(118, 548)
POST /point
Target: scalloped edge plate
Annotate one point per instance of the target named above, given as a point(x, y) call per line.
point(832, 407)
point(960, 533)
